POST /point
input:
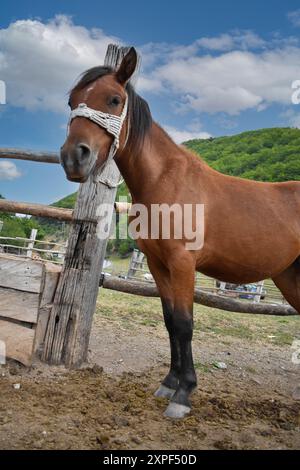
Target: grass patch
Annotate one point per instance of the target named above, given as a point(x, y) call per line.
point(129, 310)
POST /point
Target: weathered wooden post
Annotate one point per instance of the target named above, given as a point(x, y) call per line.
point(70, 321)
point(33, 235)
point(260, 287)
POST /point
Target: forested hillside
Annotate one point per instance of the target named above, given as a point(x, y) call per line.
point(264, 155)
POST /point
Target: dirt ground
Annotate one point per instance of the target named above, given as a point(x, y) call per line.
point(109, 404)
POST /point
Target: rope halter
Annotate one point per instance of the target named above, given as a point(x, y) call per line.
point(113, 124)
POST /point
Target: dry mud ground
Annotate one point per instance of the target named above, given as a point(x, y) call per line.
point(247, 406)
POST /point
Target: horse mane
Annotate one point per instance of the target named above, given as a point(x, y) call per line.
point(138, 110)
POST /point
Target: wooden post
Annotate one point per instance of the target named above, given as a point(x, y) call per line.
point(223, 286)
point(70, 322)
point(132, 266)
point(137, 260)
point(260, 286)
point(31, 243)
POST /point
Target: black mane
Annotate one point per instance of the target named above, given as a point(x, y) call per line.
point(138, 110)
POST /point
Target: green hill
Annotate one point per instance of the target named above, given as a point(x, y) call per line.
point(263, 155)
point(67, 202)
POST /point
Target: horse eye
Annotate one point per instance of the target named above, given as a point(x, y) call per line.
point(115, 101)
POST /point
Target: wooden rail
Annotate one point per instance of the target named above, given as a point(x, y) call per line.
point(39, 250)
point(42, 242)
point(39, 210)
point(200, 297)
point(29, 155)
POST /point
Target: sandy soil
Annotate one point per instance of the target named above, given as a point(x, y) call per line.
point(247, 406)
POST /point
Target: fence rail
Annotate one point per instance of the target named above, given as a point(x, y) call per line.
point(29, 155)
point(43, 242)
point(29, 250)
point(208, 299)
point(38, 210)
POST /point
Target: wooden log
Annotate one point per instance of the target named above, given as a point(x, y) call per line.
point(18, 305)
point(39, 210)
point(18, 341)
point(29, 155)
point(20, 273)
point(70, 322)
point(200, 297)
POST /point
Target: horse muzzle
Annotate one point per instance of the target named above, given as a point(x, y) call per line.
point(78, 162)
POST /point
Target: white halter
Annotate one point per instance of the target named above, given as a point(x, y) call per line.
point(113, 124)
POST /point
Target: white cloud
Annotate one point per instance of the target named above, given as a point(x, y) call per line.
point(8, 170)
point(234, 81)
point(235, 40)
point(40, 61)
point(294, 17)
point(180, 136)
point(228, 73)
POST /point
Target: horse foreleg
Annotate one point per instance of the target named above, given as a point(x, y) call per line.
point(162, 278)
point(170, 383)
point(182, 280)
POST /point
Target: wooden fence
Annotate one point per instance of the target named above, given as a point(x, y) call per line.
point(33, 248)
point(27, 289)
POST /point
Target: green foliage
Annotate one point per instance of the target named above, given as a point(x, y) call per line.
point(19, 227)
point(263, 155)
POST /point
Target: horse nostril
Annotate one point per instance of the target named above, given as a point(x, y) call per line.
point(84, 151)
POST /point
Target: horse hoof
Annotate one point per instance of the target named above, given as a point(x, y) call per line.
point(177, 411)
point(164, 392)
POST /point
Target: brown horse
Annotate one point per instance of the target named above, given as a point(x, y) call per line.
point(252, 229)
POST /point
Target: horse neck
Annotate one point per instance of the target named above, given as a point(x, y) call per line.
point(142, 169)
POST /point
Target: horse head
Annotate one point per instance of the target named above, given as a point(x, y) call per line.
point(99, 123)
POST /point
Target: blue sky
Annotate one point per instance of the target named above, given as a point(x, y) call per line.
point(209, 68)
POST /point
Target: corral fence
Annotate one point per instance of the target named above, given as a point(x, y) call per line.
point(34, 248)
point(46, 309)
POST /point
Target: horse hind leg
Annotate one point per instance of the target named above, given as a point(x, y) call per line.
point(288, 282)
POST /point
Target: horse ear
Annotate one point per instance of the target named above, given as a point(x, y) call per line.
point(127, 67)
